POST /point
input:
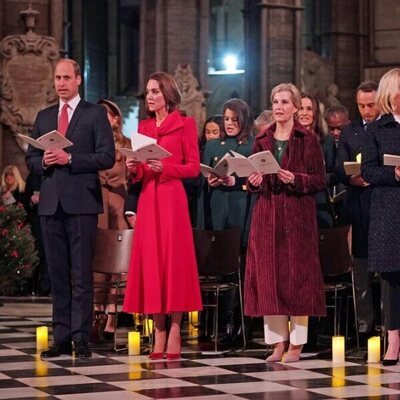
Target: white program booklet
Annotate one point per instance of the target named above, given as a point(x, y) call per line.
point(352, 167)
point(391, 160)
point(144, 148)
point(222, 168)
point(263, 162)
point(53, 140)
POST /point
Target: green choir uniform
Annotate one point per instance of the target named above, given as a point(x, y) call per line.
point(224, 207)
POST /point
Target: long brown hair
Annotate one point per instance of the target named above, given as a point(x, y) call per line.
point(169, 89)
point(317, 125)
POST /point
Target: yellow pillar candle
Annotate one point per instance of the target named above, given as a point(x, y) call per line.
point(42, 338)
point(148, 327)
point(374, 349)
point(194, 318)
point(134, 343)
point(337, 349)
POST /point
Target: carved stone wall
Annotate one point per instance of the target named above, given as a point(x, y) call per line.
point(193, 101)
point(26, 79)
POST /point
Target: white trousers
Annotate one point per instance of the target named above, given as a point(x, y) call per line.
point(276, 329)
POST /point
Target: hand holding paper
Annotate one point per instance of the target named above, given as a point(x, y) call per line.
point(263, 162)
point(222, 168)
point(53, 140)
point(144, 148)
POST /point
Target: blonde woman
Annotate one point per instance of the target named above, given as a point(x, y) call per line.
point(283, 276)
point(12, 186)
point(384, 217)
point(114, 193)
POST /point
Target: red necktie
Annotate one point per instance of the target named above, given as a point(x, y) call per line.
point(63, 120)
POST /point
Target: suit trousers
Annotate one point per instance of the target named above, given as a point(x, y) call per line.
point(276, 329)
point(390, 289)
point(363, 292)
point(69, 246)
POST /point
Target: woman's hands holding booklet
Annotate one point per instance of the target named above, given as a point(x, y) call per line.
point(215, 181)
point(286, 176)
point(255, 179)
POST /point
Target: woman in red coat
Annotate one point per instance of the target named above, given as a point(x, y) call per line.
point(163, 273)
point(283, 275)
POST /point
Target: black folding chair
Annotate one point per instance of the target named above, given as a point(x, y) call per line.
point(218, 256)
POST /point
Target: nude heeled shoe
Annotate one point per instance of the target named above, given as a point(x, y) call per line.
point(277, 354)
point(293, 354)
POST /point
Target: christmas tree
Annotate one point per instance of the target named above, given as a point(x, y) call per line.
point(18, 255)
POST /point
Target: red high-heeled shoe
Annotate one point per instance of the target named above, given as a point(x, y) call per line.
point(174, 356)
point(156, 356)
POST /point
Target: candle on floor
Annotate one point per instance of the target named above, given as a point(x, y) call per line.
point(374, 349)
point(338, 376)
point(194, 318)
point(138, 319)
point(134, 343)
point(42, 338)
point(147, 327)
point(337, 349)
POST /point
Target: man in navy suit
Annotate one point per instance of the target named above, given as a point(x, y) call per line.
point(356, 207)
point(70, 199)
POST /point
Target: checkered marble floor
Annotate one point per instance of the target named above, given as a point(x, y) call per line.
point(241, 375)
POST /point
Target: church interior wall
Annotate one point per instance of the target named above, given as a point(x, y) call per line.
point(119, 43)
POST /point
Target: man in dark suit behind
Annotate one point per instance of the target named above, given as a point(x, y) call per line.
point(356, 208)
point(70, 199)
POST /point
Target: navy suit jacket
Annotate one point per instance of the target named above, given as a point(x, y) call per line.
point(356, 209)
point(75, 187)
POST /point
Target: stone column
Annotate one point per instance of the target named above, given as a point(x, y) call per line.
point(56, 21)
point(272, 46)
point(343, 45)
point(173, 34)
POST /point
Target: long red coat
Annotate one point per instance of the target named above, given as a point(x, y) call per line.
point(283, 274)
point(163, 271)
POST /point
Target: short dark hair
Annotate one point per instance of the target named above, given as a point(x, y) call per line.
point(75, 65)
point(337, 110)
point(367, 86)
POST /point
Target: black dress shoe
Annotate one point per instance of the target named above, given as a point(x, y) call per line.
point(388, 362)
point(56, 349)
point(82, 350)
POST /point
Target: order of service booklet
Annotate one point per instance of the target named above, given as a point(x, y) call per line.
point(391, 160)
point(352, 167)
point(53, 140)
point(222, 168)
point(144, 148)
point(263, 162)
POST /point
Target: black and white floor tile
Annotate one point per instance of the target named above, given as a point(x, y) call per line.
point(242, 375)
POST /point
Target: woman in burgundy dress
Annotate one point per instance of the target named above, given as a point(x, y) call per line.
point(163, 275)
point(283, 275)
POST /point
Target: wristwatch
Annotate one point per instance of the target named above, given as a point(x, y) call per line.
point(70, 159)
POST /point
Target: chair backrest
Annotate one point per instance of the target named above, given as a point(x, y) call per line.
point(217, 252)
point(113, 250)
point(334, 251)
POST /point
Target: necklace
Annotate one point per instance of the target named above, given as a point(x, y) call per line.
point(279, 144)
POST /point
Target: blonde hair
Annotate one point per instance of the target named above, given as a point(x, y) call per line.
point(19, 181)
point(389, 87)
point(292, 89)
point(114, 110)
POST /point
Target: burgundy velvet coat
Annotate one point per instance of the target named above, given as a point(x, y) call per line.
point(283, 273)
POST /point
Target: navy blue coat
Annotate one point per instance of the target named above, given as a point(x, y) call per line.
point(356, 208)
point(77, 186)
point(384, 228)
